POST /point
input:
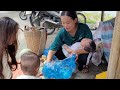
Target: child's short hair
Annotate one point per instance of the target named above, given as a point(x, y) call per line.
point(91, 47)
point(29, 62)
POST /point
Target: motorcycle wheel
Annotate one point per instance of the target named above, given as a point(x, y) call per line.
point(81, 17)
point(50, 31)
point(23, 15)
point(35, 21)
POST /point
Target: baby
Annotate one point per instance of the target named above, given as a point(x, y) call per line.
point(86, 44)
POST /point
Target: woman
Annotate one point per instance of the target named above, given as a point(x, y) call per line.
point(8, 46)
point(72, 32)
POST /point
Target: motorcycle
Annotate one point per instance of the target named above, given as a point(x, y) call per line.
point(48, 19)
point(24, 14)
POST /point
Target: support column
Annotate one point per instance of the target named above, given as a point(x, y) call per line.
point(113, 71)
point(102, 16)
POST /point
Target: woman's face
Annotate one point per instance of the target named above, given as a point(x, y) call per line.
point(68, 23)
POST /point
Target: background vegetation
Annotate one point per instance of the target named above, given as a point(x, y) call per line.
point(94, 17)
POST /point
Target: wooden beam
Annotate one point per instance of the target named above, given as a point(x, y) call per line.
point(113, 71)
point(102, 15)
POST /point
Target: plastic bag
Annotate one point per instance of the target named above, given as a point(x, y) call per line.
point(45, 52)
point(59, 69)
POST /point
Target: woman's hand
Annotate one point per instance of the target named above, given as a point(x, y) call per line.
point(74, 52)
point(76, 57)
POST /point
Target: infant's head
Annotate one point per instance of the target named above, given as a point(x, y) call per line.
point(88, 45)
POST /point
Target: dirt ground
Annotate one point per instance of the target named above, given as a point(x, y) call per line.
point(93, 70)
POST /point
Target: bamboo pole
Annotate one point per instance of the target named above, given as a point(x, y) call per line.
point(113, 71)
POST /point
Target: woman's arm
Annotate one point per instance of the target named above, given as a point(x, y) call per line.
point(51, 53)
point(80, 51)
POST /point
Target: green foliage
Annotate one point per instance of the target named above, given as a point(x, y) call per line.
point(93, 17)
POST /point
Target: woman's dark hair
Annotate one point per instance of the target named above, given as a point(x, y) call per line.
point(8, 30)
point(71, 14)
point(91, 47)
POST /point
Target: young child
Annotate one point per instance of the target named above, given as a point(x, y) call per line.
point(86, 44)
point(30, 64)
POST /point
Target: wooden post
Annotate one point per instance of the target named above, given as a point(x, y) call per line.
point(113, 71)
point(102, 16)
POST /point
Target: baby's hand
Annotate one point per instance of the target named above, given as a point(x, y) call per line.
point(65, 46)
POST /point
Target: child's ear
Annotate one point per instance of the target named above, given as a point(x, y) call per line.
point(37, 69)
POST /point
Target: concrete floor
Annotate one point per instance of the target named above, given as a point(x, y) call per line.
point(93, 70)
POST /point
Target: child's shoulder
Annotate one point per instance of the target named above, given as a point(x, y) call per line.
point(27, 77)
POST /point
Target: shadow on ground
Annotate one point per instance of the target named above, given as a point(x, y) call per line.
point(93, 70)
